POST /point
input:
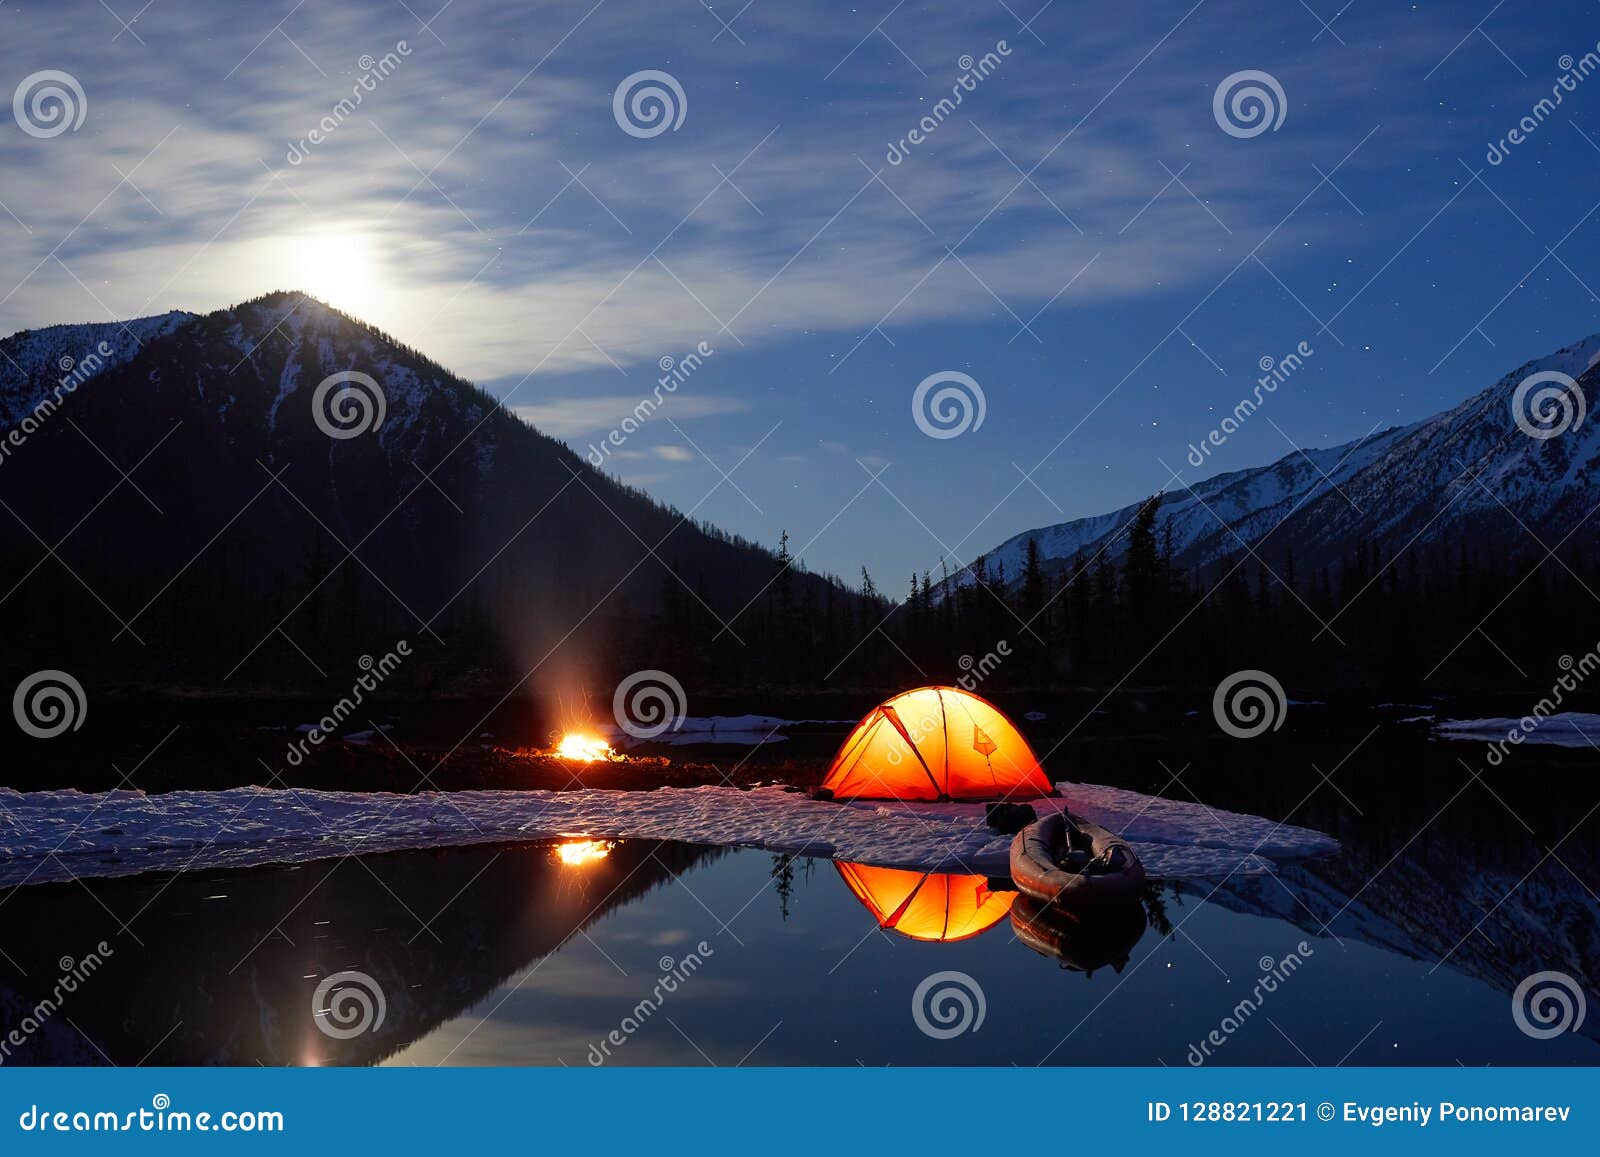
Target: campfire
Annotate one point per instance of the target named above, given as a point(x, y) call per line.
point(584, 748)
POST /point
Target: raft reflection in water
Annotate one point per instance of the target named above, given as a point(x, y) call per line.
point(944, 907)
point(1081, 940)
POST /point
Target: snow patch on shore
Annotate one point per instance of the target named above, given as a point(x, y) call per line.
point(1567, 729)
point(60, 835)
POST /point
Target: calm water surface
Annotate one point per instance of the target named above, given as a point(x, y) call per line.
point(1449, 891)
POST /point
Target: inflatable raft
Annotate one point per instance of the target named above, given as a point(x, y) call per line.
point(1073, 862)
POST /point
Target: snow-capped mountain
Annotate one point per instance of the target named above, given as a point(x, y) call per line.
point(278, 481)
point(64, 356)
point(1469, 470)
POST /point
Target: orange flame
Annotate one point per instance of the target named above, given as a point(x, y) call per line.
point(579, 853)
point(583, 748)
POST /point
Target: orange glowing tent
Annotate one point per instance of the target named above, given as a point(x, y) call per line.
point(936, 743)
point(933, 906)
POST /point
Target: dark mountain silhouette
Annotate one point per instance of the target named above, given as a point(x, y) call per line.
point(1457, 553)
point(181, 517)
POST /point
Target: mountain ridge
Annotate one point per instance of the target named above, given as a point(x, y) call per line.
point(1319, 503)
point(202, 484)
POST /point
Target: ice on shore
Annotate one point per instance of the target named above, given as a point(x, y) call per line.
point(64, 834)
point(1567, 729)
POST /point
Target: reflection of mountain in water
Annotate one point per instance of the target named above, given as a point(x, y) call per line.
point(229, 963)
point(1445, 897)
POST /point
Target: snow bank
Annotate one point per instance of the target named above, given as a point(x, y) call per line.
point(1568, 729)
point(64, 834)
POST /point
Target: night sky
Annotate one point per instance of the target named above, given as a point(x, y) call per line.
point(1089, 236)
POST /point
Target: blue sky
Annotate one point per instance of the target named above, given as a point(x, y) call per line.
point(1081, 236)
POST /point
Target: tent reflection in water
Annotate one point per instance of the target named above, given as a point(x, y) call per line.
point(936, 743)
point(936, 906)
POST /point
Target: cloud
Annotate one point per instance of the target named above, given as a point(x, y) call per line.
point(573, 416)
point(510, 228)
